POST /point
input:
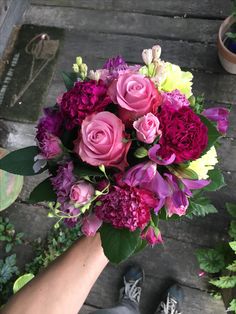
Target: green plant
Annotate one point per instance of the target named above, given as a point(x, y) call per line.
point(220, 262)
point(8, 235)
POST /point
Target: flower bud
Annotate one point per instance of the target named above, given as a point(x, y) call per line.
point(156, 53)
point(75, 68)
point(79, 60)
point(147, 56)
point(140, 152)
point(83, 70)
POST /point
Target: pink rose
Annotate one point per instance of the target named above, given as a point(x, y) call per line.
point(147, 128)
point(100, 141)
point(135, 94)
point(81, 192)
point(90, 225)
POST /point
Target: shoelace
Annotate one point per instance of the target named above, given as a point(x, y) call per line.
point(131, 291)
point(169, 307)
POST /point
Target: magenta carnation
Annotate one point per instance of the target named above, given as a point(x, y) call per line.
point(83, 99)
point(126, 207)
point(50, 123)
point(183, 134)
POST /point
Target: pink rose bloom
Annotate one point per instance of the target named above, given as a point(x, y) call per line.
point(50, 146)
point(135, 94)
point(147, 128)
point(90, 225)
point(81, 192)
point(152, 236)
point(100, 141)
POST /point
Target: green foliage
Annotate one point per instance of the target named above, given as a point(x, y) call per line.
point(232, 306)
point(8, 235)
point(119, 244)
point(197, 103)
point(232, 229)
point(20, 161)
point(43, 192)
point(200, 206)
point(58, 241)
point(231, 209)
point(217, 180)
point(69, 79)
point(210, 260)
point(7, 269)
point(213, 134)
point(224, 282)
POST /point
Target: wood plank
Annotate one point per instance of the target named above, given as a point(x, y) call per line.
point(207, 8)
point(87, 309)
point(162, 265)
point(124, 23)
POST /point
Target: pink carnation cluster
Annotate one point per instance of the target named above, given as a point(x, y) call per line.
point(126, 207)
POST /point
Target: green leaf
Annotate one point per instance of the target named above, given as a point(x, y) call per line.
point(84, 170)
point(69, 79)
point(20, 161)
point(22, 281)
point(43, 192)
point(233, 245)
point(210, 260)
point(141, 246)
point(8, 247)
point(232, 229)
point(118, 244)
point(217, 180)
point(200, 206)
point(232, 267)
point(224, 282)
point(231, 209)
point(213, 134)
point(232, 306)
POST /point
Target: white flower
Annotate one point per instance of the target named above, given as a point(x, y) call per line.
point(147, 56)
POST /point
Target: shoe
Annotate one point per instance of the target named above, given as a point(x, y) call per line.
point(172, 302)
point(133, 279)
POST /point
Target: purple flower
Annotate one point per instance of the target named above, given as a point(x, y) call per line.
point(50, 146)
point(51, 123)
point(177, 203)
point(220, 116)
point(140, 174)
point(63, 181)
point(175, 100)
point(161, 157)
point(115, 64)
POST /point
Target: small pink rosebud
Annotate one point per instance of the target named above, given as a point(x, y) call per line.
point(147, 128)
point(152, 236)
point(90, 225)
point(81, 192)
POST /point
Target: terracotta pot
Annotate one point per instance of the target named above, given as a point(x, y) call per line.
point(227, 58)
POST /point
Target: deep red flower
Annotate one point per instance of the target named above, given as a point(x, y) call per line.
point(83, 99)
point(183, 133)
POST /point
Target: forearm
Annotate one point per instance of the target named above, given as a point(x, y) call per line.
point(64, 285)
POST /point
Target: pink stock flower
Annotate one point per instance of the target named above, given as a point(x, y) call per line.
point(50, 146)
point(81, 192)
point(219, 115)
point(135, 94)
point(147, 128)
point(152, 236)
point(126, 207)
point(175, 100)
point(90, 225)
point(83, 99)
point(100, 141)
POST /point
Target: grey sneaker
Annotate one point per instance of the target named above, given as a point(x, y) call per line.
point(133, 279)
point(172, 302)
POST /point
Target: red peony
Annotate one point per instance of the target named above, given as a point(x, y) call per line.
point(126, 207)
point(83, 99)
point(183, 133)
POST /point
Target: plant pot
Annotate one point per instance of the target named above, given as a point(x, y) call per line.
point(227, 58)
point(10, 185)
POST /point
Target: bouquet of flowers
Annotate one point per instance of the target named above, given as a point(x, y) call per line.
point(125, 147)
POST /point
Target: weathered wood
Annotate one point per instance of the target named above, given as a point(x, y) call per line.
point(87, 309)
point(162, 265)
point(207, 8)
point(125, 23)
